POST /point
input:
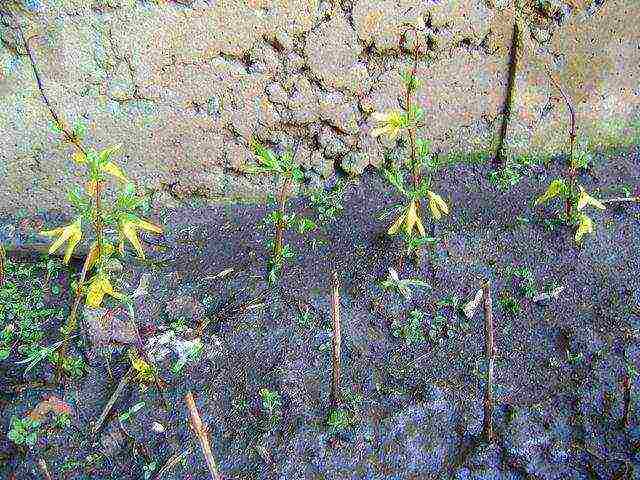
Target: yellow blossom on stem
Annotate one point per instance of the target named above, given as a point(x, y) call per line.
point(585, 225)
point(71, 233)
point(129, 226)
point(437, 205)
point(585, 199)
point(390, 124)
point(99, 286)
point(409, 219)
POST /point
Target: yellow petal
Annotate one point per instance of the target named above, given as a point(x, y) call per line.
point(552, 191)
point(113, 169)
point(441, 204)
point(95, 293)
point(79, 157)
point(586, 199)
point(412, 215)
point(129, 231)
point(395, 227)
point(585, 226)
point(376, 132)
point(433, 206)
point(150, 227)
point(74, 239)
point(420, 227)
point(380, 116)
point(52, 233)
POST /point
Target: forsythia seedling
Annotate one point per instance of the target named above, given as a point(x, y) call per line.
point(288, 172)
point(419, 162)
point(576, 200)
point(119, 219)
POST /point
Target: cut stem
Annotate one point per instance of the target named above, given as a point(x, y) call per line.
point(278, 244)
point(336, 341)
point(112, 400)
point(201, 431)
point(626, 393)
point(489, 352)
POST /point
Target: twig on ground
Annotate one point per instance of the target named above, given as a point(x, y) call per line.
point(172, 462)
point(112, 400)
point(489, 351)
point(2, 258)
point(201, 431)
point(336, 341)
point(42, 466)
point(621, 200)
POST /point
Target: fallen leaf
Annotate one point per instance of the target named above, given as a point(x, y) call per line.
point(51, 404)
point(470, 307)
point(553, 294)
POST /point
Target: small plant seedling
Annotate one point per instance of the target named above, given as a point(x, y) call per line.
point(271, 407)
point(411, 331)
point(402, 286)
point(509, 304)
point(568, 189)
point(328, 204)
point(288, 172)
point(524, 280)
point(338, 420)
point(419, 162)
point(23, 431)
point(126, 415)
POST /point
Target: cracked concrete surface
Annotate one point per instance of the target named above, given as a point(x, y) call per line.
point(183, 86)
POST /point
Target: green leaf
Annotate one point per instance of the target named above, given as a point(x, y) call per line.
point(79, 129)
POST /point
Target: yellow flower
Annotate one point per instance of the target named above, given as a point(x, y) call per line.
point(585, 199)
point(437, 205)
point(107, 249)
point(108, 166)
point(129, 225)
point(99, 286)
point(585, 225)
point(410, 219)
point(553, 190)
point(391, 124)
point(71, 233)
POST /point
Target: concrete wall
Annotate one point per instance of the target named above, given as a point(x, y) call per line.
point(183, 85)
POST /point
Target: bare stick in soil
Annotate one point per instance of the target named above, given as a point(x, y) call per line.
point(202, 433)
point(626, 393)
point(621, 200)
point(337, 340)
point(112, 400)
point(514, 53)
point(2, 258)
point(278, 244)
point(44, 470)
point(489, 351)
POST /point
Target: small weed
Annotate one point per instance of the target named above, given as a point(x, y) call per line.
point(126, 415)
point(509, 304)
point(24, 431)
point(328, 204)
point(411, 330)
point(402, 286)
point(271, 407)
point(575, 358)
point(338, 420)
point(525, 281)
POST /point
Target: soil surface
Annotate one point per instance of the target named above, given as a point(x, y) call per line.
point(413, 410)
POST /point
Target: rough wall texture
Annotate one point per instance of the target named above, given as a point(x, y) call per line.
point(183, 85)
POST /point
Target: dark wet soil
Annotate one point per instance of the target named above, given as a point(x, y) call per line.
point(415, 410)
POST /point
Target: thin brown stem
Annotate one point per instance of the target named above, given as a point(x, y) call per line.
point(571, 170)
point(408, 106)
point(73, 315)
point(626, 393)
point(201, 431)
point(112, 400)
point(69, 136)
point(3, 256)
point(278, 244)
point(336, 340)
point(489, 352)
